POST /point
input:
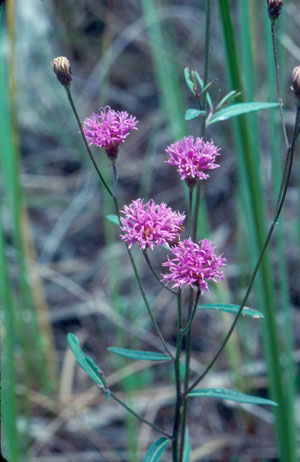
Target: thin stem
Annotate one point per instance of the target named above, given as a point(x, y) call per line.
point(189, 323)
point(189, 228)
point(155, 427)
point(177, 419)
point(269, 235)
point(279, 99)
point(155, 273)
point(115, 177)
point(69, 94)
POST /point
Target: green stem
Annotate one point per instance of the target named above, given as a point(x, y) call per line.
point(178, 405)
point(155, 273)
point(189, 323)
point(142, 419)
point(190, 216)
point(269, 235)
point(279, 99)
point(69, 94)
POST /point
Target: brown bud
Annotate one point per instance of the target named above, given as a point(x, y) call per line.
point(296, 81)
point(274, 9)
point(62, 69)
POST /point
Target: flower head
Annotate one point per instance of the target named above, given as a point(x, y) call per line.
point(150, 224)
point(62, 68)
point(194, 264)
point(191, 157)
point(108, 129)
point(274, 9)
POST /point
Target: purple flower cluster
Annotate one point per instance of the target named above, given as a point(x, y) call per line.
point(191, 157)
point(108, 129)
point(194, 264)
point(150, 224)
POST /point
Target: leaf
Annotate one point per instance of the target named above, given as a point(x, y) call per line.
point(191, 114)
point(232, 309)
point(232, 395)
point(188, 80)
point(113, 219)
point(156, 450)
point(239, 109)
point(201, 83)
point(227, 98)
point(187, 446)
point(140, 355)
point(191, 85)
point(86, 363)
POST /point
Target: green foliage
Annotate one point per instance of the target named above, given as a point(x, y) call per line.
point(191, 114)
point(238, 109)
point(113, 219)
point(187, 446)
point(87, 364)
point(156, 450)
point(227, 99)
point(231, 395)
point(250, 312)
point(193, 79)
point(139, 355)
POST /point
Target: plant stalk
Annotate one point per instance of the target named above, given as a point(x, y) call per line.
point(178, 405)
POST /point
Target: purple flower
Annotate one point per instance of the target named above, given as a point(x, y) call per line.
point(108, 129)
point(150, 224)
point(191, 157)
point(194, 265)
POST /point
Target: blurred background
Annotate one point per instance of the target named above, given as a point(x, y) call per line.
point(63, 266)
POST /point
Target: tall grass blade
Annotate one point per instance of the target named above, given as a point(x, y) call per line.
point(8, 369)
point(251, 188)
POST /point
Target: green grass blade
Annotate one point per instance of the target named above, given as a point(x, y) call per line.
point(251, 187)
point(8, 368)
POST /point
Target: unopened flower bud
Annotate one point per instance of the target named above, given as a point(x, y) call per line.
point(274, 9)
point(62, 69)
point(296, 81)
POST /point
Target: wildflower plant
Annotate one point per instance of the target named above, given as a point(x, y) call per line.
point(190, 264)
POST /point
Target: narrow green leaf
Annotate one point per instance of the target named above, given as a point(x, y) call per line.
point(140, 355)
point(156, 450)
point(207, 86)
point(239, 109)
point(113, 219)
point(188, 80)
point(187, 447)
point(232, 395)
point(232, 309)
point(227, 98)
point(86, 363)
point(201, 83)
point(191, 114)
